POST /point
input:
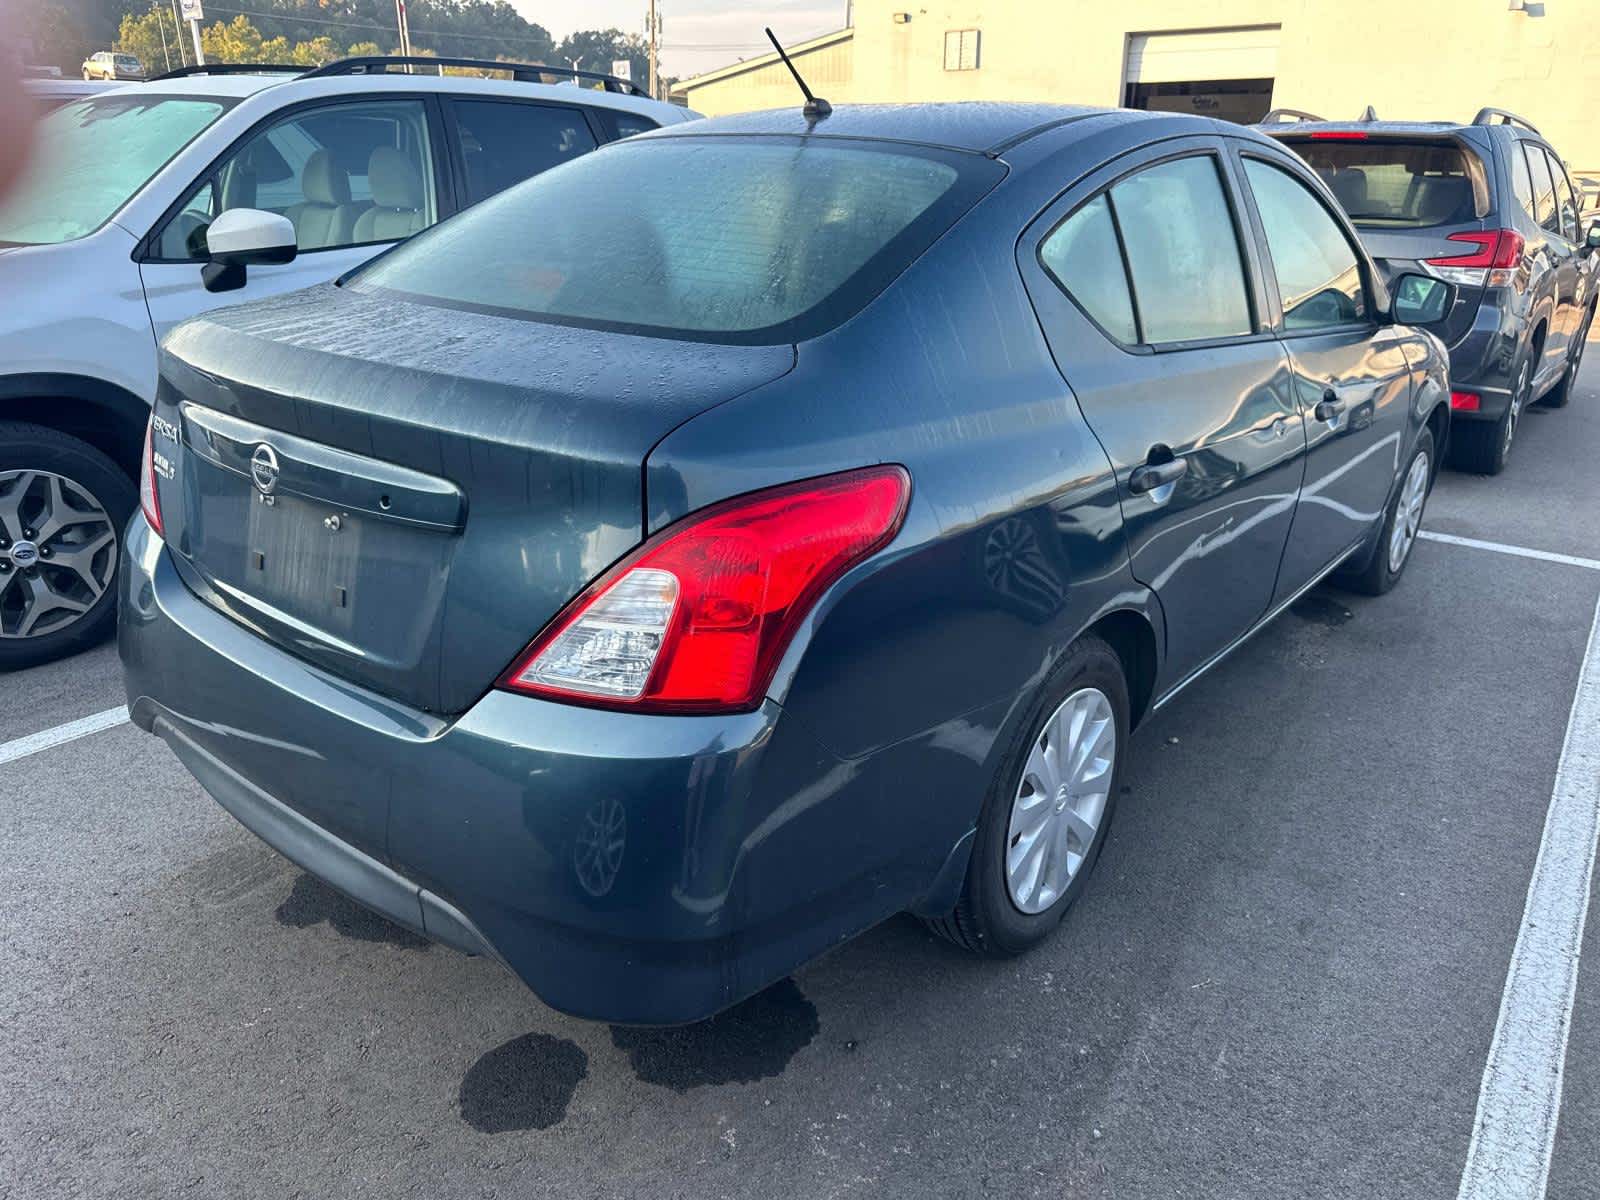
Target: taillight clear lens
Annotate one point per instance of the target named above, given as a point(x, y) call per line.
point(696, 619)
point(149, 499)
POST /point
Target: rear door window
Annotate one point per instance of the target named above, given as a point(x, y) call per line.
point(1400, 184)
point(618, 124)
point(1566, 208)
point(1521, 180)
point(1319, 275)
point(1544, 189)
point(504, 142)
point(1183, 252)
point(1082, 255)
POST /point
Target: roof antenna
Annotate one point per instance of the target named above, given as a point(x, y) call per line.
point(1370, 115)
point(816, 108)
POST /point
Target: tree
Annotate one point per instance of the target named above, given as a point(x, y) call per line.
point(154, 39)
point(597, 49)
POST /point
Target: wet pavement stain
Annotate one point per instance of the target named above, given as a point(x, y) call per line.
point(524, 1084)
point(1323, 610)
point(753, 1040)
point(310, 902)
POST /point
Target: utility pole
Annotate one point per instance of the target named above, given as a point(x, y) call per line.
point(655, 54)
point(161, 24)
point(177, 34)
point(403, 22)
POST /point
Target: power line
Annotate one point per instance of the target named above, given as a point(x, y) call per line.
point(296, 19)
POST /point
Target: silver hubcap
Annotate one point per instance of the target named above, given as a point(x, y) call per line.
point(58, 552)
point(1062, 799)
point(1408, 517)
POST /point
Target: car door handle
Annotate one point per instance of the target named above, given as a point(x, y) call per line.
point(1329, 407)
point(1147, 477)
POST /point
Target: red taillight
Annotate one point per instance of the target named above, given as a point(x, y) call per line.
point(1339, 135)
point(149, 498)
point(1498, 249)
point(1465, 401)
point(696, 619)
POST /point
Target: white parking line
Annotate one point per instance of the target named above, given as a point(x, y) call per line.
point(46, 738)
point(1519, 1102)
point(1450, 539)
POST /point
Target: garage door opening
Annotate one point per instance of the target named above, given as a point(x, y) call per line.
point(1226, 73)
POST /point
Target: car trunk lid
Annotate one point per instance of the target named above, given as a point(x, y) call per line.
point(403, 494)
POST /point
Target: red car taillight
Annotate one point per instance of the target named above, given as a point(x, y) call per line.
point(149, 498)
point(1492, 264)
point(696, 619)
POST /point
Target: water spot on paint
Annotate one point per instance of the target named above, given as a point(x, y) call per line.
point(1323, 610)
point(752, 1040)
point(311, 902)
point(525, 1084)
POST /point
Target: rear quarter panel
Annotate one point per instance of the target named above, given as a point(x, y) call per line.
point(1012, 544)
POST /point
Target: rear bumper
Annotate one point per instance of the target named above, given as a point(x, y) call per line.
point(628, 868)
point(1482, 359)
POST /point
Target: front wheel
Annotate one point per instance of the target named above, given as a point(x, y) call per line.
point(1401, 524)
point(63, 505)
point(1048, 809)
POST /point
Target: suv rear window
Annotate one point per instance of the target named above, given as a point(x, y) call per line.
point(751, 240)
point(1398, 183)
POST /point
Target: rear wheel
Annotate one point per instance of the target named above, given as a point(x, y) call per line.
point(1560, 395)
point(63, 505)
point(1401, 524)
point(1484, 447)
point(1048, 809)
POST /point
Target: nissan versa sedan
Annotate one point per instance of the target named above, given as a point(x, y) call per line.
point(654, 596)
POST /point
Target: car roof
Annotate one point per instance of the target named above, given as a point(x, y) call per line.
point(982, 126)
point(238, 86)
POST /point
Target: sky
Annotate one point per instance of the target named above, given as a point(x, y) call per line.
point(696, 35)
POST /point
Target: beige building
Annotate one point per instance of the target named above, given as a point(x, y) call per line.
point(1416, 59)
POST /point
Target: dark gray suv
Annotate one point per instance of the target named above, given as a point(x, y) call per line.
point(1489, 207)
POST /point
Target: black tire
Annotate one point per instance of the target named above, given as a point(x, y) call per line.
point(1484, 447)
point(1561, 395)
point(985, 920)
point(1380, 575)
point(25, 447)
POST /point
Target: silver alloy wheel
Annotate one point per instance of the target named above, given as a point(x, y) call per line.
point(1066, 783)
point(58, 552)
point(1408, 516)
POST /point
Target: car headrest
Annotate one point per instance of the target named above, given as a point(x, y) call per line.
point(393, 179)
point(322, 182)
point(1350, 189)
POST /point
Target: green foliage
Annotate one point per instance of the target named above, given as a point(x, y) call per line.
point(597, 49)
point(154, 39)
point(65, 32)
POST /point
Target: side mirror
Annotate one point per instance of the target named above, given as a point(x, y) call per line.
point(1591, 239)
point(243, 237)
point(1420, 299)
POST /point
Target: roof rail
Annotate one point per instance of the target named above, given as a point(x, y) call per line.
point(377, 64)
point(1278, 115)
point(1486, 116)
point(229, 69)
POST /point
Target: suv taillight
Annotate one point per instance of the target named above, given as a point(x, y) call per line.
point(696, 619)
point(149, 498)
point(1492, 264)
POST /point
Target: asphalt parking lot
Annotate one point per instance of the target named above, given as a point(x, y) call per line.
point(1282, 982)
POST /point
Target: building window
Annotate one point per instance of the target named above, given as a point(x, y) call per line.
point(961, 50)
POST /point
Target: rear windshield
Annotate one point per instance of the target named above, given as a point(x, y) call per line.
point(1396, 183)
point(755, 240)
